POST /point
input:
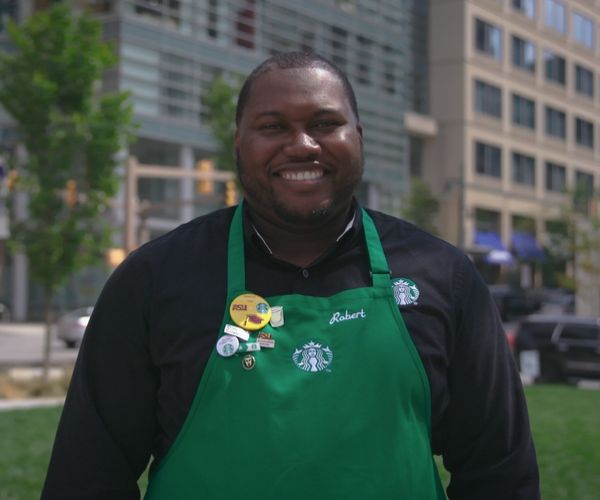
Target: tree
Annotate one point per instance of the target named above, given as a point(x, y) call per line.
point(71, 134)
point(422, 206)
point(220, 103)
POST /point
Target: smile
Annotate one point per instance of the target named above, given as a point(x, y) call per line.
point(303, 175)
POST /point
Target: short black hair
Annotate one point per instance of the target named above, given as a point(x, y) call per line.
point(290, 60)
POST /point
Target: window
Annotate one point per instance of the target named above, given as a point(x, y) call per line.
point(488, 159)
point(555, 67)
point(555, 15)
point(555, 123)
point(584, 133)
point(583, 30)
point(523, 54)
point(556, 177)
point(488, 39)
point(488, 99)
point(526, 7)
point(523, 169)
point(584, 81)
point(580, 332)
point(523, 111)
point(584, 191)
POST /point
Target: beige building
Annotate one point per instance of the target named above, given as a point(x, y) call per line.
point(515, 96)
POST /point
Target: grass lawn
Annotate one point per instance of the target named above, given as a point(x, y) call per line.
point(565, 424)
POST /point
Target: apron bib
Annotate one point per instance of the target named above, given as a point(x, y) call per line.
point(338, 409)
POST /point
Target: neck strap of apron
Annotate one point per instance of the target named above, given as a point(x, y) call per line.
point(236, 262)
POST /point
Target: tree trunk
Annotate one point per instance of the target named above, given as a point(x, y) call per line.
point(49, 319)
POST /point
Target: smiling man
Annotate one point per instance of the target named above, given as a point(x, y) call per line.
point(296, 346)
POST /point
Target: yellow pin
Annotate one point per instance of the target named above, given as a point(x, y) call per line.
point(250, 311)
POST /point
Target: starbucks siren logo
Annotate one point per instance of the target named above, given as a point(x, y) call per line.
point(405, 291)
point(312, 357)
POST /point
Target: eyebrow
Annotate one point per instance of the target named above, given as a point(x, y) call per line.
point(320, 112)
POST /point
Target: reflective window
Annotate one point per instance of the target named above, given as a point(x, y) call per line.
point(584, 133)
point(523, 111)
point(488, 159)
point(584, 80)
point(556, 177)
point(555, 123)
point(555, 67)
point(583, 30)
point(488, 39)
point(488, 99)
point(523, 169)
point(526, 7)
point(554, 15)
point(523, 54)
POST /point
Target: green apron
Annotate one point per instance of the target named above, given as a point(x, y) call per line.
point(338, 409)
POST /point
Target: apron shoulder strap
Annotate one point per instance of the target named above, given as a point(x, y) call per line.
point(380, 270)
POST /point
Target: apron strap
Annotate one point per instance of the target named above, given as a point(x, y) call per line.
point(380, 270)
point(236, 262)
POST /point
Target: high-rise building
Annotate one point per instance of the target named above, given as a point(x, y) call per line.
point(514, 91)
point(170, 51)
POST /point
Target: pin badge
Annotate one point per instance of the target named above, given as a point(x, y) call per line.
point(248, 362)
point(240, 333)
point(250, 311)
point(276, 316)
point(266, 340)
point(249, 347)
point(228, 345)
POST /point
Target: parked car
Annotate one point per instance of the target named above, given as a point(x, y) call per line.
point(70, 327)
point(558, 348)
point(513, 302)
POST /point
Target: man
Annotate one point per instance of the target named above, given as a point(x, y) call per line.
point(379, 344)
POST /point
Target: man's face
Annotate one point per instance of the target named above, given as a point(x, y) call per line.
point(298, 147)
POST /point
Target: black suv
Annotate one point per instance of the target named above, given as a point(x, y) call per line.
point(558, 348)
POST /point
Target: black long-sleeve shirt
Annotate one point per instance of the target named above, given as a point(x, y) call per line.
point(156, 323)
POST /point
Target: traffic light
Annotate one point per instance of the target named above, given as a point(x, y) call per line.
point(205, 186)
point(71, 194)
point(230, 193)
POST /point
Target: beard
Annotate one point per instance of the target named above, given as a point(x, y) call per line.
point(264, 198)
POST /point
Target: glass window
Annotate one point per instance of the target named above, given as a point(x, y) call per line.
point(583, 30)
point(555, 15)
point(526, 7)
point(580, 332)
point(523, 54)
point(487, 220)
point(523, 111)
point(523, 169)
point(488, 39)
point(488, 99)
point(584, 133)
point(555, 67)
point(584, 81)
point(556, 177)
point(488, 159)
point(584, 191)
point(555, 123)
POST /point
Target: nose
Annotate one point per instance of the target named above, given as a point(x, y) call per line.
point(302, 145)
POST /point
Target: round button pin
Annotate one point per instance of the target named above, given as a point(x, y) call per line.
point(248, 362)
point(250, 311)
point(227, 345)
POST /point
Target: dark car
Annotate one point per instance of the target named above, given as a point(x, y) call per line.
point(558, 348)
point(513, 302)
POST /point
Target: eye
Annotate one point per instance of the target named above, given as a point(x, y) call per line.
point(325, 124)
point(271, 126)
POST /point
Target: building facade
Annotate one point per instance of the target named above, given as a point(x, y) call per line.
point(515, 95)
point(171, 50)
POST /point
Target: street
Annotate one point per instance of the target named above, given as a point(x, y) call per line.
point(22, 344)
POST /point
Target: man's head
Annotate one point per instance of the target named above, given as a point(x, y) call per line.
point(299, 141)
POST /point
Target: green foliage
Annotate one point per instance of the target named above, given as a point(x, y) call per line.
point(422, 206)
point(70, 131)
point(220, 103)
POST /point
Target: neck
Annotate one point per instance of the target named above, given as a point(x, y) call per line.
point(300, 245)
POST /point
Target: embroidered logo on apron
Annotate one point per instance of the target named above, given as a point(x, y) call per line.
point(312, 357)
point(405, 291)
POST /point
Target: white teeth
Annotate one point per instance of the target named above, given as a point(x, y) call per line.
point(306, 175)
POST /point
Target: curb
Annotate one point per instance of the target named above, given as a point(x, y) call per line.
point(27, 404)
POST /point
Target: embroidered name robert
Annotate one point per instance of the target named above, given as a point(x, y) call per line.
point(338, 316)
